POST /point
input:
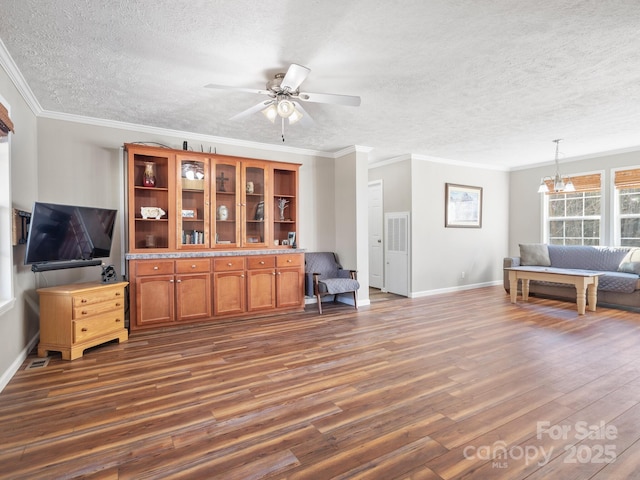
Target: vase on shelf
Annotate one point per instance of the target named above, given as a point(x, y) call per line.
point(149, 176)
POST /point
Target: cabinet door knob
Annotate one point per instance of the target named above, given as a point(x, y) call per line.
point(117, 320)
point(179, 281)
point(171, 281)
point(242, 276)
point(84, 329)
point(273, 273)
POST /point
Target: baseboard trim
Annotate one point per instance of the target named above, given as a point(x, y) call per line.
point(13, 368)
point(458, 288)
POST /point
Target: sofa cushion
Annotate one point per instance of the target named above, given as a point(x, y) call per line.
point(631, 262)
point(586, 257)
point(534, 254)
point(618, 282)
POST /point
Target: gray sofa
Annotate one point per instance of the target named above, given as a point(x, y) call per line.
point(618, 287)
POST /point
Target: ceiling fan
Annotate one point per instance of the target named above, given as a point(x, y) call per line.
point(285, 98)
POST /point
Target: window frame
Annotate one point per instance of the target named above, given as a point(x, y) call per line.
point(616, 215)
point(547, 219)
point(7, 298)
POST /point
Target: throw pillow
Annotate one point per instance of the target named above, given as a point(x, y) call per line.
point(534, 254)
point(631, 262)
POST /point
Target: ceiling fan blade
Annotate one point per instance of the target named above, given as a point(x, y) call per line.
point(306, 120)
point(294, 77)
point(237, 89)
point(349, 100)
point(250, 111)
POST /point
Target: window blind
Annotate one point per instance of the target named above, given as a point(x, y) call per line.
point(582, 183)
point(6, 125)
point(627, 178)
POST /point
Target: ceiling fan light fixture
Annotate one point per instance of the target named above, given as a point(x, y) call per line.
point(285, 108)
point(295, 116)
point(271, 112)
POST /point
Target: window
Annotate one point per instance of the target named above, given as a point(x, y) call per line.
point(627, 207)
point(575, 218)
point(6, 260)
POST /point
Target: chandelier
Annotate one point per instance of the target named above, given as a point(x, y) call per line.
point(561, 184)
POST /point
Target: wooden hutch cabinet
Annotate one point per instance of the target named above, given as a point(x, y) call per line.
point(210, 236)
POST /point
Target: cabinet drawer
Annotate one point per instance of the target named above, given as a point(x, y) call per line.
point(84, 311)
point(192, 265)
point(102, 295)
point(89, 328)
point(160, 267)
point(290, 260)
point(261, 261)
point(227, 264)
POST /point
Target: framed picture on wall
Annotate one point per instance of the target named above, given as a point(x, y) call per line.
point(462, 206)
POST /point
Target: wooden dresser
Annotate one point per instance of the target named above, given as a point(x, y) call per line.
point(82, 315)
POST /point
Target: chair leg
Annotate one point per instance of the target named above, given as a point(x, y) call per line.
point(319, 304)
point(355, 300)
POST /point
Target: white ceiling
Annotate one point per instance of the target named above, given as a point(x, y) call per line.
point(491, 82)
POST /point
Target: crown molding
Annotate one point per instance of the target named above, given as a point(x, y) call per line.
point(18, 80)
point(428, 158)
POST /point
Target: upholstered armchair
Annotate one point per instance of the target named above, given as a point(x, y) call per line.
point(325, 276)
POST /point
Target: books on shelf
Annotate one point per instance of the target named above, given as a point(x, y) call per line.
point(193, 237)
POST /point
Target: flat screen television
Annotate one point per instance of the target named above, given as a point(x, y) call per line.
point(68, 236)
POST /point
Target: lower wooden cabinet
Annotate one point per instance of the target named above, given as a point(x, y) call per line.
point(170, 291)
point(78, 316)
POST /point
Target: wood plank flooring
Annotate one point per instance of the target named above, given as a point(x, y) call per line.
point(457, 386)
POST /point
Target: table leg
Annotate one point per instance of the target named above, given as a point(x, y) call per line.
point(581, 296)
point(592, 293)
point(525, 289)
point(513, 286)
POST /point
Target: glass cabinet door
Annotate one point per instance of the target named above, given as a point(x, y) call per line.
point(193, 203)
point(227, 218)
point(254, 203)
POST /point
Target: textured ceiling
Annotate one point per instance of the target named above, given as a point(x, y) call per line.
point(491, 82)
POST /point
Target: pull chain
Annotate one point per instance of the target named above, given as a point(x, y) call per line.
point(282, 118)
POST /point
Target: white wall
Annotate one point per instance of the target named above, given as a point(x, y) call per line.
point(439, 255)
point(525, 216)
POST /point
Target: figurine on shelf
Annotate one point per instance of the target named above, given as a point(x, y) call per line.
point(149, 177)
point(282, 204)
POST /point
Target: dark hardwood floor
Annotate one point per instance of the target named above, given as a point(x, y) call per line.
point(463, 385)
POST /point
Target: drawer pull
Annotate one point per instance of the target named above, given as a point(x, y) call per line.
point(155, 268)
point(193, 266)
point(261, 263)
point(84, 312)
point(289, 261)
point(118, 320)
point(118, 294)
point(117, 304)
point(84, 329)
point(229, 264)
point(84, 300)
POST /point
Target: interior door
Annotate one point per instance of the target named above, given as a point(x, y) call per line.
point(376, 244)
point(397, 253)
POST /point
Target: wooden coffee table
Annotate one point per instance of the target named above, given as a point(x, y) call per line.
point(585, 281)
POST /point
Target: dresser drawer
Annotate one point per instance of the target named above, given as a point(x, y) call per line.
point(290, 260)
point(261, 261)
point(193, 265)
point(97, 296)
point(89, 310)
point(88, 328)
point(228, 264)
point(152, 267)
